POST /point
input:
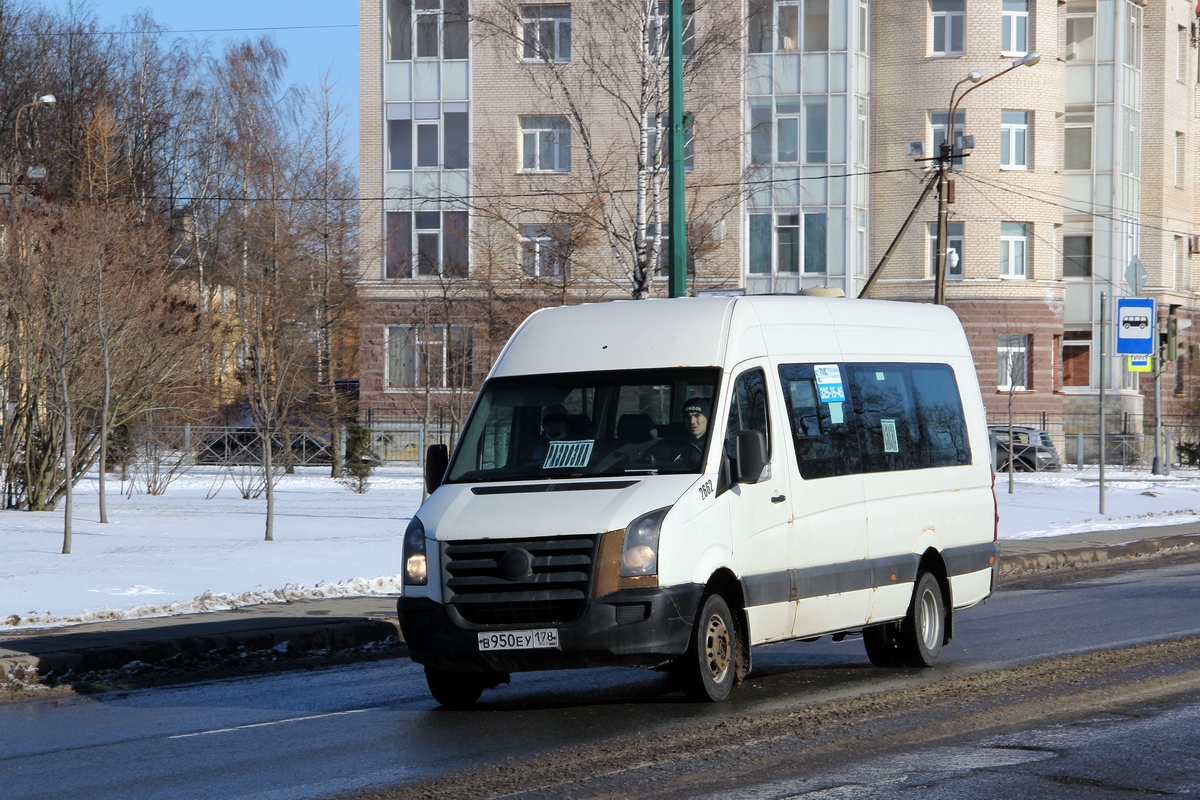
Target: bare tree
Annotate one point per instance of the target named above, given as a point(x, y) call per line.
point(613, 90)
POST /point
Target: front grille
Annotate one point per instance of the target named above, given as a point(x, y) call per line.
point(519, 581)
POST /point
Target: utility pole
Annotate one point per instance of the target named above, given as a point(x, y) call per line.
point(676, 207)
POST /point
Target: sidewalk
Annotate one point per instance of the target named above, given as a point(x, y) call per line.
point(312, 625)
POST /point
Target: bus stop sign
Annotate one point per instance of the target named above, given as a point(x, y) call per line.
point(1136, 325)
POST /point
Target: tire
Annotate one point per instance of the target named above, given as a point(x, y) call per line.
point(883, 644)
point(710, 667)
point(454, 689)
point(923, 630)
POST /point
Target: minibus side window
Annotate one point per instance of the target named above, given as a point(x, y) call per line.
point(824, 432)
point(747, 411)
point(888, 429)
point(944, 428)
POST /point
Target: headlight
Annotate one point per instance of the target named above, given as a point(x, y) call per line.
point(416, 566)
point(639, 555)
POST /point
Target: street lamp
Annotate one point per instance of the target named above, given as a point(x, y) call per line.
point(946, 156)
point(44, 100)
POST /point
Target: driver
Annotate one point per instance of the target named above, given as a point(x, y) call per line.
point(695, 416)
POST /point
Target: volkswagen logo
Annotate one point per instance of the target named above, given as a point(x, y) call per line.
point(516, 564)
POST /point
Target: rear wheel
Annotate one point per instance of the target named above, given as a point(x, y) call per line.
point(924, 629)
point(711, 664)
point(883, 644)
point(456, 689)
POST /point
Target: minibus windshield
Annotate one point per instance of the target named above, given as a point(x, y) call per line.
point(585, 424)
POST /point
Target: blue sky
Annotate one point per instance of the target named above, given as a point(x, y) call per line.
point(316, 34)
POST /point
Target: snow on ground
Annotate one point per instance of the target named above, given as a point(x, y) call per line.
point(200, 546)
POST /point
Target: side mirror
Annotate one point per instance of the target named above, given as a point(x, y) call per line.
point(437, 458)
point(752, 464)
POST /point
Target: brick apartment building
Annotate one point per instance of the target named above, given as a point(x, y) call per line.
point(503, 168)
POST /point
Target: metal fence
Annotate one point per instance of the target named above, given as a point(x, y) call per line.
point(1128, 438)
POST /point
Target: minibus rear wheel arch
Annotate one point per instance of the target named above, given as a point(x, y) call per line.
point(931, 562)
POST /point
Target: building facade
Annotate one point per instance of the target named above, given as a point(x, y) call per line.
point(514, 156)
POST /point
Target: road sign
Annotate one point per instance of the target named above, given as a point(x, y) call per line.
point(1135, 275)
point(1140, 364)
point(1136, 326)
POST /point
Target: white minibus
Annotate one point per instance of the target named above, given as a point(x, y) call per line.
point(666, 483)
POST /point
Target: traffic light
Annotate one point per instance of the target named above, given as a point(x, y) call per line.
point(1172, 349)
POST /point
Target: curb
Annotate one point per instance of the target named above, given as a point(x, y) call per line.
point(1024, 565)
point(57, 656)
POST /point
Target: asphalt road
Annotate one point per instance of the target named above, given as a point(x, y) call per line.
point(811, 718)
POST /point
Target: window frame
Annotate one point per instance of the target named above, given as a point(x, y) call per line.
point(948, 19)
point(1014, 138)
point(557, 135)
point(1010, 25)
point(954, 240)
point(408, 234)
point(416, 342)
point(1074, 258)
point(937, 129)
point(537, 25)
point(1009, 243)
point(1007, 346)
point(545, 250)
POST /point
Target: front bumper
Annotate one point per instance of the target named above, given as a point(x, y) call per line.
point(633, 627)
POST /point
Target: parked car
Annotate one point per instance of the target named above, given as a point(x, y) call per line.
point(1032, 450)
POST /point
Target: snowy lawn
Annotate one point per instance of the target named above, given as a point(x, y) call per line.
point(192, 550)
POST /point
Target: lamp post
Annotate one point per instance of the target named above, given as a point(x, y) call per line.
point(946, 155)
point(44, 100)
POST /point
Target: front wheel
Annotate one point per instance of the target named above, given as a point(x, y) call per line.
point(923, 631)
point(456, 689)
point(712, 656)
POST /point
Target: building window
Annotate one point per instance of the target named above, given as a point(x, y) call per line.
point(1013, 243)
point(954, 244)
point(816, 130)
point(544, 250)
point(1013, 358)
point(1081, 38)
point(428, 357)
point(937, 131)
point(659, 130)
point(426, 244)
point(1077, 140)
point(948, 22)
point(815, 226)
point(1182, 45)
point(442, 136)
point(816, 25)
point(658, 42)
point(546, 33)
point(799, 240)
point(545, 144)
point(1014, 28)
point(1180, 158)
point(433, 29)
point(1076, 358)
point(1077, 256)
point(760, 18)
point(1014, 139)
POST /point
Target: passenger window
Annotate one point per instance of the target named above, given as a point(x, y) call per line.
point(823, 431)
point(747, 410)
point(851, 418)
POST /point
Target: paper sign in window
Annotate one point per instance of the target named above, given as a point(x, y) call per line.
point(890, 443)
point(568, 454)
point(829, 383)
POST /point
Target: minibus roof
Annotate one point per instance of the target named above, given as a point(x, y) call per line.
point(723, 331)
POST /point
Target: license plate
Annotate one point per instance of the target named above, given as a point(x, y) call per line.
point(519, 640)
